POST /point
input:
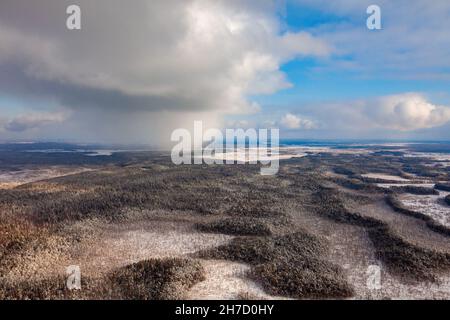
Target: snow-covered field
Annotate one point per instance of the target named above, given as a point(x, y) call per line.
point(384, 177)
point(227, 280)
point(431, 205)
point(11, 179)
point(115, 245)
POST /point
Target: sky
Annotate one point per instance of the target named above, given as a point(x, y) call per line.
point(137, 71)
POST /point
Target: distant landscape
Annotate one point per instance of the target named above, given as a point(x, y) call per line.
point(140, 227)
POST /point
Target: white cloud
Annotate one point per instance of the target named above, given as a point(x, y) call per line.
point(183, 55)
point(291, 121)
point(239, 124)
point(401, 113)
point(149, 67)
point(406, 112)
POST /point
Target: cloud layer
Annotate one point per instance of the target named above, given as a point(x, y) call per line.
point(152, 56)
point(378, 117)
point(33, 120)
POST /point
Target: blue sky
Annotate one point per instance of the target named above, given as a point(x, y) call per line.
point(310, 85)
point(342, 84)
point(318, 80)
point(310, 68)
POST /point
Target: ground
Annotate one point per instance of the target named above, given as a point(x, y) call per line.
point(224, 231)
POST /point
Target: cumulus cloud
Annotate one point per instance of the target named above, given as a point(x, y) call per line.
point(148, 58)
point(184, 55)
point(400, 113)
point(406, 112)
point(292, 121)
